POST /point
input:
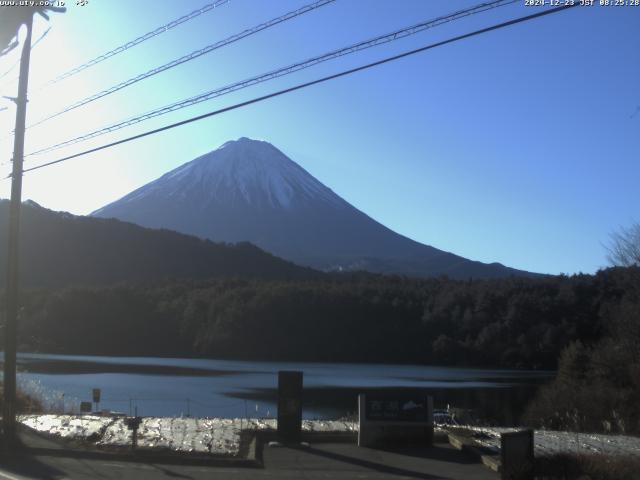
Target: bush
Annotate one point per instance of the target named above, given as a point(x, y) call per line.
point(25, 403)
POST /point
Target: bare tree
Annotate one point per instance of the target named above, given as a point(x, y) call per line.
point(624, 246)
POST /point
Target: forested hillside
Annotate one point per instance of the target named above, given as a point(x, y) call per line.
point(59, 249)
point(518, 322)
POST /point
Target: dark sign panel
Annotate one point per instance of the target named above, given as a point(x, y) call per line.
point(397, 408)
point(96, 395)
point(395, 417)
point(85, 407)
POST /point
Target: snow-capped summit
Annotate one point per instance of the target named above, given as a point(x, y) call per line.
point(248, 190)
point(241, 171)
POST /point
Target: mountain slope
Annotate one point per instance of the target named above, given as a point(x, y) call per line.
point(248, 190)
point(60, 249)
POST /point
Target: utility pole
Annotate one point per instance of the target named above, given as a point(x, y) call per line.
point(11, 19)
point(11, 313)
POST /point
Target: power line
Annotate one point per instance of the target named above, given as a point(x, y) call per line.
point(137, 41)
point(307, 84)
point(186, 58)
point(386, 38)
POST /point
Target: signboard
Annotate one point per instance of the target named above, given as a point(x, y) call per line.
point(96, 395)
point(516, 450)
point(133, 423)
point(289, 406)
point(397, 408)
point(85, 407)
point(395, 417)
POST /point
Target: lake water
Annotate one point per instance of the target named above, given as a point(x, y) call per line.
point(228, 388)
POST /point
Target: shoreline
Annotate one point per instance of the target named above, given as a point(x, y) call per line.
point(137, 359)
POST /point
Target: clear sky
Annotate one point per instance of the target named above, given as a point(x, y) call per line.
point(519, 146)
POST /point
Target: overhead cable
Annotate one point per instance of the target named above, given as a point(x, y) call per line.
point(143, 38)
point(390, 37)
point(305, 85)
point(186, 58)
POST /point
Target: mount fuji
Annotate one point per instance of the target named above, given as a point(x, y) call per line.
point(248, 190)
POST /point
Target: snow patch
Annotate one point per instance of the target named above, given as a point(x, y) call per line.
point(550, 442)
point(253, 171)
point(220, 436)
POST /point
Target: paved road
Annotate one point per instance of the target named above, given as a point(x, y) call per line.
point(50, 459)
point(321, 461)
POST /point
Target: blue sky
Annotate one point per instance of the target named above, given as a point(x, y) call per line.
point(519, 146)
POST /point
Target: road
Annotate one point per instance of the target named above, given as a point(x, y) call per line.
point(322, 461)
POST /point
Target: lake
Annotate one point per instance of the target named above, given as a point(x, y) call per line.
point(231, 388)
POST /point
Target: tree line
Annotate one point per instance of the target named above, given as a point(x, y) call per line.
point(514, 322)
point(597, 387)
